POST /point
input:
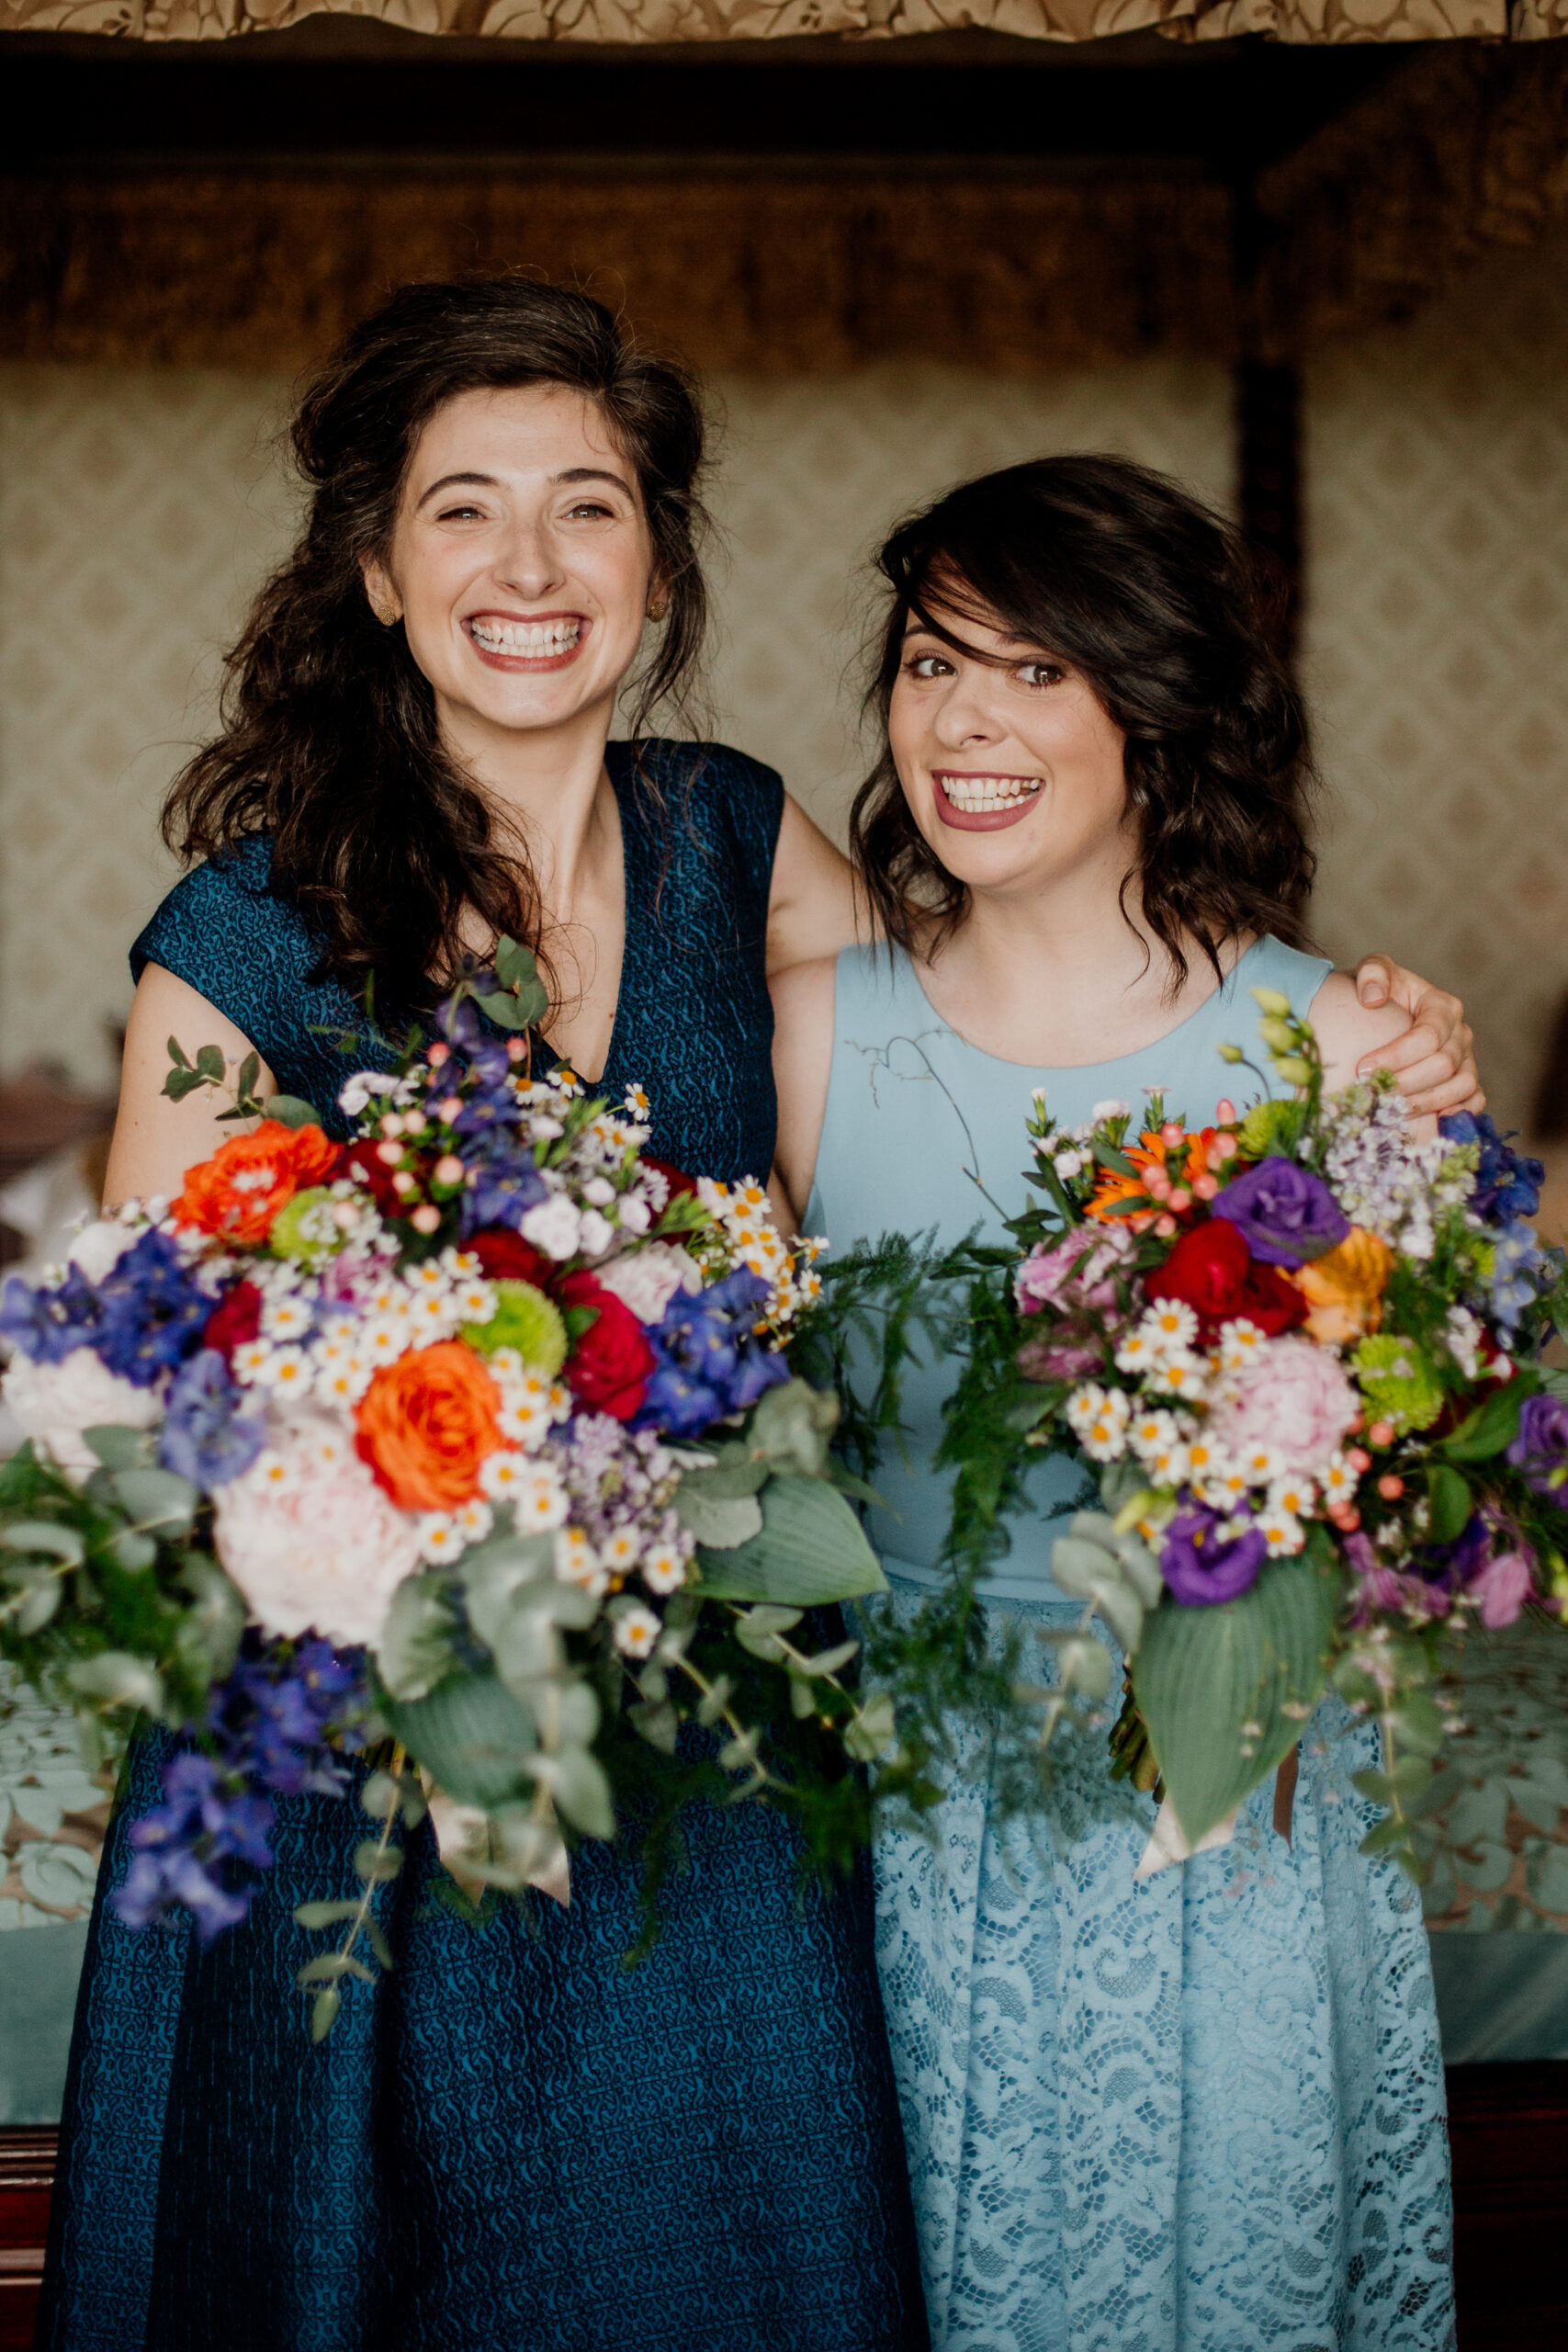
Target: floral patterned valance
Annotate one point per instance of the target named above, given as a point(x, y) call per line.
point(1309, 21)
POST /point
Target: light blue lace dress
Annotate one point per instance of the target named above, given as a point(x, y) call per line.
point(1203, 2113)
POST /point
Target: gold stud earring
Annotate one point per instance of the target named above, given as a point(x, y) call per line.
point(657, 607)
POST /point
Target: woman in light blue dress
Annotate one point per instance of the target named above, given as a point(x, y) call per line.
point(1202, 2111)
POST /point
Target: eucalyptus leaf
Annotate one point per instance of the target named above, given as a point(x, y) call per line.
point(576, 1780)
point(657, 1722)
point(791, 1426)
point(416, 1651)
point(377, 1865)
point(34, 1605)
point(117, 1447)
point(210, 1063)
point(157, 1499)
point(132, 1552)
point(177, 1054)
point(1202, 1673)
point(118, 1678)
point(249, 1070)
point(1449, 1497)
point(325, 1913)
point(472, 1736)
point(718, 1520)
point(212, 1631)
point(506, 1012)
point(289, 1110)
point(812, 1549)
point(323, 2012)
point(56, 1543)
point(871, 1732)
point(734, 1470)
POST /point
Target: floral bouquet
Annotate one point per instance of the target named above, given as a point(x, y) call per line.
point(467, 1446)
point(1297, 1348)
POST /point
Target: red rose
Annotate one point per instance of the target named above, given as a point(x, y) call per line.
point(234, 1321)
point(1212, 1270)
point(507, 1258)
point(676, 1177)
point(609, 1366)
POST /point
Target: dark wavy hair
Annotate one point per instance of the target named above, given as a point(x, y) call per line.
point(330, 740)
point(1151, 597)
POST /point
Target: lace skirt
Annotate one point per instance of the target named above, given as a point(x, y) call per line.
point(1203, 2113)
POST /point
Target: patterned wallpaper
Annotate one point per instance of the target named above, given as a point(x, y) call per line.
point(136, 507)
point(1437, 475)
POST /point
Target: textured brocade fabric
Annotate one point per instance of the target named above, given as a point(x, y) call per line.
point(511, 2142)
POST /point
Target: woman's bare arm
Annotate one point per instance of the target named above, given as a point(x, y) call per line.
point(803, 999)
point(156, 1140)
point(1355, 1039)
point(813, 907)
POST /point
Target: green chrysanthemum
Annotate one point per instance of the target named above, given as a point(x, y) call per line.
point(524, 1320)
point(303, 1227)
point(1261, 1127)
point(1397, 1382)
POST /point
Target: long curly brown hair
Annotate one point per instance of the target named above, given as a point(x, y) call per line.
point(1149, 594)
point(330, 741)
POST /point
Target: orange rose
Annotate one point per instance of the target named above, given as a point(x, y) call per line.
point(237, 1192)
point(1344, 1289)
point(426, 1423)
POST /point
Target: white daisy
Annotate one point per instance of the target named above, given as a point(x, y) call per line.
point(250, 1362)
point(1337, 1481)
point(476, 1519)
point(1172, 1325)
point(1293, 1496)
point(286, 1318)
point(1099, 1419)
point(618, 1553)
point(577, 1562)
point(441, 1540)
point(1282, 1531)
point(539, 1501)
point(637, 1631)
point(1239, 1344)
point(663, 1569)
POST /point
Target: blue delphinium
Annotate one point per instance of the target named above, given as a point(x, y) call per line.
point(207, 1436)
point(47, 1324)
point(503, 1182)
point(709, 1361)
point(1507, 1184)
point(153, 1309)
point(267, 1725)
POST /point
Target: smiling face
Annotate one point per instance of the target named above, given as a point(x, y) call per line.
point(520, 564)
point(1011, 767)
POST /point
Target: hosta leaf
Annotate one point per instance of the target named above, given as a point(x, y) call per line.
point(1202, 1673)
point(472, 1736)
point(812, 1548)
point(718, 1520)
point(290, 1112)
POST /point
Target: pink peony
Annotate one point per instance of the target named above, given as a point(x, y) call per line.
point(310, 1539)
point(1055, 1278)
point(1292, 1396)
point(1503, 1587)
point(55, 1402)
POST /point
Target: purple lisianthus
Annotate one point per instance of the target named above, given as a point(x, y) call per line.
point(1205, 1559)
point(46, 1323)
point(1283, 1213)
point(202, 1823)
point(1507, 1184)
point(709, 1361)
point(153, 1309)
point(207, 1436)
point(503, 1184)
point(1540, 1448)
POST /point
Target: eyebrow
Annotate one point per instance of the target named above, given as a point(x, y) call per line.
point(489, 481)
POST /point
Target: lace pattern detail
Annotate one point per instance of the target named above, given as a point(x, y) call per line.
point(1195, 2115)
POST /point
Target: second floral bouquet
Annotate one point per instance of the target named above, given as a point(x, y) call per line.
point(459, 1446)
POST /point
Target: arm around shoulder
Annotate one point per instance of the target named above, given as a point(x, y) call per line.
point(156, 1140)
point(803, 1001)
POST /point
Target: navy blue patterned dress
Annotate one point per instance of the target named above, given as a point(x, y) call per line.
point(513, 2142)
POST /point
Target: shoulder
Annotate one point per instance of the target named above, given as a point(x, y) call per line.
point(804, 997)
point(711, 786)
point(1346, 1029)
point(209, 898)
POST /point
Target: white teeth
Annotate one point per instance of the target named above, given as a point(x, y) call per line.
point(976, 794)
point(528, 640)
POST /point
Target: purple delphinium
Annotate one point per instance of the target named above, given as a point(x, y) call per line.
point(1507, 1184)
point(47, 1323)
point(153, 1309)
point(503, 1182)
point(207, 1436)
point(1284, 1214)
point(268, 1726)
point(1540, 1448)
point(1518, 1264)
point(1204, 1562)
point(709, 1361)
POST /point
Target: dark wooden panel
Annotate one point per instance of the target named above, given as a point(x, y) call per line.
point(27, 2178)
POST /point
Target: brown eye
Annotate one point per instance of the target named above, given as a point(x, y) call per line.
point(928, 666)
point(1040, 674)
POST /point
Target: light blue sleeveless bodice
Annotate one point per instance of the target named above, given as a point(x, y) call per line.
point(925, 1133)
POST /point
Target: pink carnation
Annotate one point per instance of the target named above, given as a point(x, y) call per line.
point(1055, 1277)
point(1294, 1396)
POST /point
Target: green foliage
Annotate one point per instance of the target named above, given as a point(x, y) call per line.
point(811, 1548)
point(1226, 1690)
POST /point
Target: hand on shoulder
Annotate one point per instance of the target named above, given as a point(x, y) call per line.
point(1349, 1031)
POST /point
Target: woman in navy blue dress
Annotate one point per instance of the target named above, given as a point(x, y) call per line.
point(513, 2142)
point(510, 2144)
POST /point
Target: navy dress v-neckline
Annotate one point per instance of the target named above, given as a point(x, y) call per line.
point(512, 2141)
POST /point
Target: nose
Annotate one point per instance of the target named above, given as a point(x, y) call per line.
point(529, 563)
point(963, 720)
